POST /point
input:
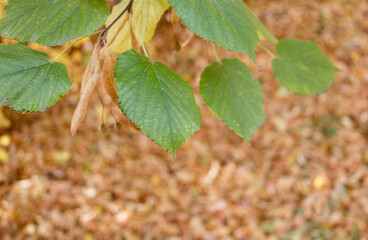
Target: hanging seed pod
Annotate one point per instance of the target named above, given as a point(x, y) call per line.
point(104, 96)
point(117, 113)
point(89, 82)
point(108, 75)
point(103, 128)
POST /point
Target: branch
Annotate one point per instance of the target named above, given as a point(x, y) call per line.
point(104, 33)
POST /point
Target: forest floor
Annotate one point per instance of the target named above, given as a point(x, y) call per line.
point(304, 175)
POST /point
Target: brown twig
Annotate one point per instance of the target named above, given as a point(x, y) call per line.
point(104, 33)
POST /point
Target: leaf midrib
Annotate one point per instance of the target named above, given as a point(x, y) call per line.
point(26, 69)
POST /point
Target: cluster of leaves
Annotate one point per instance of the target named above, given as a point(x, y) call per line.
point(151, 95)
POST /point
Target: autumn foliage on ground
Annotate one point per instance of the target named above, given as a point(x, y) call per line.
point(302, 176)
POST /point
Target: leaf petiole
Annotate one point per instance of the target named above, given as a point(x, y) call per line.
point(215, 52)
point(267, 50)
point(72, 44)
point(139, 35)
point(66, 49)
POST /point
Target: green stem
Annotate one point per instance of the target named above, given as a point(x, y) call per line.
point(215, 52)
point(139, 35)
point(267, 50)
point(66, 49)
point(72, 44)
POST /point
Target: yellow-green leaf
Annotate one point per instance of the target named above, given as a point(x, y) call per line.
point(4, 157)
point(2, 6)
point(302, 67)
point(4, 121)
point(147, 14)
point(263, 32)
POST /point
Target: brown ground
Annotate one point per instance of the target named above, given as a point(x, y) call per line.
point(304, 175)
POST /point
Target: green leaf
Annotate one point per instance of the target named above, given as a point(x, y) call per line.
point(227, 23)
point(29, 81)
point(231, 92)
point(263, 32)
point(302, 67)
point(157, 100)
point(52, 22)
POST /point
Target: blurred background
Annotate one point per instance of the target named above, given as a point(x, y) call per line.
point(304, 175)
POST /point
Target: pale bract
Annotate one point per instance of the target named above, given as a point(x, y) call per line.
point(147, 14)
